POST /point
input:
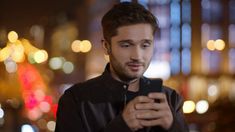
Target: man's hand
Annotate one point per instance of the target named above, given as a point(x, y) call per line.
point(154, 114)
point(130, 112)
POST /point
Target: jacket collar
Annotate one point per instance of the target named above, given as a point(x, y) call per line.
point(110, 81)
point(116, 85)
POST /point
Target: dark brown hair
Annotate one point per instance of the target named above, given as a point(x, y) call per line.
point(124, 14)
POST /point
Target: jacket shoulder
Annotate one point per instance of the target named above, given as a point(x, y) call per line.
point(88, 84)
point(86, 90)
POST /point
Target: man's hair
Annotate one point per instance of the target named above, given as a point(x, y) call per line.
point(125, 14)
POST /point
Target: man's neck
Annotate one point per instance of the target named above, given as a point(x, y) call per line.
point(134, 85)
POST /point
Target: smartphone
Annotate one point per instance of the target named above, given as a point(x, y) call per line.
point(154, 85)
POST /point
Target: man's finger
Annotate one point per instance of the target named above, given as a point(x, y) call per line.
point(148, 123)
point(149, 114)
point(145, 106)
point(149, 106)
point(158, 96)
point(142, 99)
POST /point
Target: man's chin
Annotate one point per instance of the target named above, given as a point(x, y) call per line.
point(133, 77)
point(135, 74)
point(128, 80)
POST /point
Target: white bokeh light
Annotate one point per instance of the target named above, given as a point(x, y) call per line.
point(213, 90)
point(56, 63)
point(51, 125)
point(27, 128)
point(202, 106)
point(1, 113)
point(68, 67)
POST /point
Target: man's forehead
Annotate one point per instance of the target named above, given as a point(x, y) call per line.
point(135, 31)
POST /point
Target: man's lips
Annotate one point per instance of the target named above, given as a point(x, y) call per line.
point(134, 66)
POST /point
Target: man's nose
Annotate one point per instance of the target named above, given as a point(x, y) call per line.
point(136, 53)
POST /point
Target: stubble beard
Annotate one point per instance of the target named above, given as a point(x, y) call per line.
point(123, 73)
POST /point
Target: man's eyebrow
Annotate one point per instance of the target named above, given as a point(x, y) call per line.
point(131, 41)
point(147, 40)
point(126, 40)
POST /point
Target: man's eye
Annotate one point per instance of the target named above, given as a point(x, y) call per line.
point(124, 44)
point(144, 45)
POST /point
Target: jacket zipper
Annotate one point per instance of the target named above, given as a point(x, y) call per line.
point(125, 96)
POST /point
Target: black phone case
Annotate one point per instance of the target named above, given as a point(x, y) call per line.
point(154, 85)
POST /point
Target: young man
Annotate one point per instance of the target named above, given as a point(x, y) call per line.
point(114, 101)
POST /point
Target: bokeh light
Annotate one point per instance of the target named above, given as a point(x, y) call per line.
point(12, 36)
point(44, 106)
point(213, 90)
point(34, 114)
point(188, 106)
point(27, 128)
point(39, 94)
point(1, 113)
point(56, 63)
point(11, 66)
point(219, 44)
point(51, 125)
point(202, 106)
point(76, 46)
point(40, 56)
point(85, 46)
point(18, 52)
point(68, 67)
point(5, 53)
point(210, 45)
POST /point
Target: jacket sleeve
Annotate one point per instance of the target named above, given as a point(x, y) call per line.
point(68, 118)
point(179, 124)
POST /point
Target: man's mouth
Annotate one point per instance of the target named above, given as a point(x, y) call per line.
point(134, 66)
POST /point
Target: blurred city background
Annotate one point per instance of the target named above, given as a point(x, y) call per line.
point(48, 45)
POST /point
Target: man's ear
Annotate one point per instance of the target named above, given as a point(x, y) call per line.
point(106, 47)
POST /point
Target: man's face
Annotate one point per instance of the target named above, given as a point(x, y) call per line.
point(130, 51)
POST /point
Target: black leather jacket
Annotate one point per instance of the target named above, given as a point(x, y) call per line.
point(96, 106)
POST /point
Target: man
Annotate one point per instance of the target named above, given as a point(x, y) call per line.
point(114, 101)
